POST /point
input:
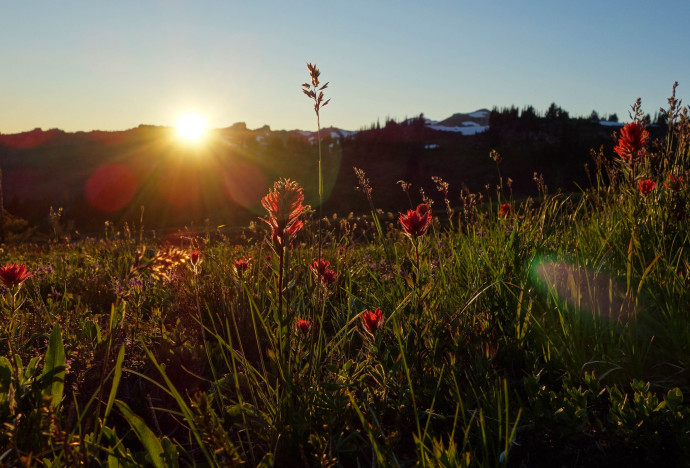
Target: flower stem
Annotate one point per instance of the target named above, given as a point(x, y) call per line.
point(318, 137)
point(281, 319)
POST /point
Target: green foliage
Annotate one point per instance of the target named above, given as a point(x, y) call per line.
point(53, 375)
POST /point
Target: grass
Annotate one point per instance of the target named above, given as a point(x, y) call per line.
point(554, 332)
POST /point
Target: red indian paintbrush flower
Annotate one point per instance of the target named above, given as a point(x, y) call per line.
point(416, 222)
point(506, 209)
point(305, 326)
point(674, 182)
point(194, 257)
point(372, 320)
point(284, 206)
point(632, 140)
point(321, 268)
point(241, 265)
point(646, 186)
point(13, 275)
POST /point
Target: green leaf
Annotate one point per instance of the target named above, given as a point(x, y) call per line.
point(91, 331)
point(116, 381)
point(674, 399)
point(5, 374)
point(53, 376)
point(30, 371)
point(170, 454)
point(146, 436)
point(114, 462)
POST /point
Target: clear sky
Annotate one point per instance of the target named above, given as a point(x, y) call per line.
point(83, 65)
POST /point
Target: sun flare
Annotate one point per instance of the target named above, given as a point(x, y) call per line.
point(191, 126)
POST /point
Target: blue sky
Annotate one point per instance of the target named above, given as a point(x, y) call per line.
point(79, 65)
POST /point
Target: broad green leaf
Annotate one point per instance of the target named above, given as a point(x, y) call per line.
point(30, 371)
point(148, 439)
point(91, 331)
point(170, 454)
point(674, 399)
point(114, 462)
point(53, 375)
point(5, 374)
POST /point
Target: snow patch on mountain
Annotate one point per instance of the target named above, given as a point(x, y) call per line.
point(480, 114)
point(469, 129)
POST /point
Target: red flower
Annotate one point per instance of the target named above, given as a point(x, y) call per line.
point(372, 320)
point(674, 182)
point(646, 186)
point(241, 265)
point(506, 209)
point(329, 277)
point(13, 275)
point(284, 206)
point(321, 269)
point(632, 140)
point(194, 257)
point(416, 222)
point(305, 326)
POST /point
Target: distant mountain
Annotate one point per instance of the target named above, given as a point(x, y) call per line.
point(478, 117)
point(467, 124)
point(104, 175)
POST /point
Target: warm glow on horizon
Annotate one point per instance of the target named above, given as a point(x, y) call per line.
point(191, 126)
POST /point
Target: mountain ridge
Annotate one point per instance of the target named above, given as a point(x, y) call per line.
point(39, 135)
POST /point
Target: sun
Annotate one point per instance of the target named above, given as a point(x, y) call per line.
point(191, 126)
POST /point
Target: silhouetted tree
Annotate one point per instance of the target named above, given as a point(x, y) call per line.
point(554, 112)
point(660, 119)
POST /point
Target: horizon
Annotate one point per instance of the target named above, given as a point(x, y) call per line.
point(115, 67)
point(434, 122)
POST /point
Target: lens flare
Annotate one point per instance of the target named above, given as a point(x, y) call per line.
point(111, 187)
point(584, 290)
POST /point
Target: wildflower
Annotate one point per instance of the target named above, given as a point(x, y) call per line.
point(372, 320)
point(14, 275)
point(646, 186)
point(632, 140)
point(194, 258)
point(241, 265)
point(284, 206)
point(674, 182)
point(506, 209)
point(416, 222)
point(321, 269)
point(304, 326)
point(46, 270)
point(364, 185)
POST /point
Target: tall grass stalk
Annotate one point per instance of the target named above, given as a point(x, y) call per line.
point(315, 92)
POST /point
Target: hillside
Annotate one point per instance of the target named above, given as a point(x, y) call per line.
point(98, 176)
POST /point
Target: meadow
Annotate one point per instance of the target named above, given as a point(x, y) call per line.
point(485, 331)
